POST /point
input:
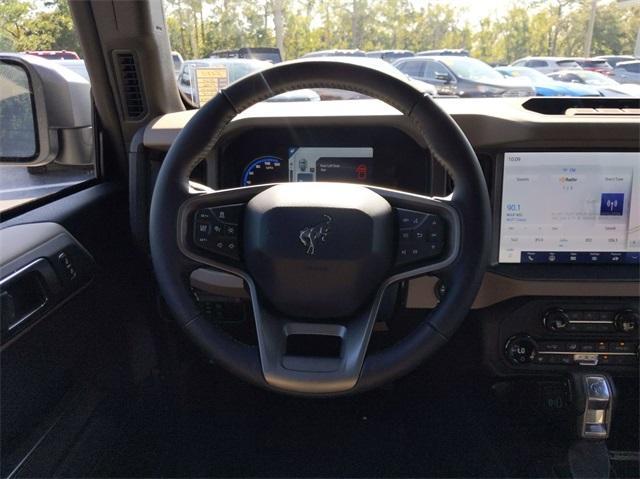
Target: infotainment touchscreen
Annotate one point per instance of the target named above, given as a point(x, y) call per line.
point(570, 208)
point(353, 165)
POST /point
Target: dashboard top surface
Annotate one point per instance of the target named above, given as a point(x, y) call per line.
point(487, 122)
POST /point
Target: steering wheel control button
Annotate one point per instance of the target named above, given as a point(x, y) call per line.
point(227, 214)
point(216, 230)
point(201, 233)
point(204, 215)
point(420, 237)
point(410, 218)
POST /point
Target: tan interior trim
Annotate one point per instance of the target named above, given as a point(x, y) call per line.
point(496, 288)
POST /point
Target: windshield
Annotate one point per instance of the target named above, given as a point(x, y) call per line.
point(466, 38)
point(593, 78)
point(568, 64)
point(526, 72)
point(471, 69)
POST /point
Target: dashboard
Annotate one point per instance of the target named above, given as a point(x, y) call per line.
point(563, 283)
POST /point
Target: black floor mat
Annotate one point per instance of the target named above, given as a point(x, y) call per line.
point(229, 429)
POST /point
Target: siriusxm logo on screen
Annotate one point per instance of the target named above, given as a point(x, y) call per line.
point(611, 204)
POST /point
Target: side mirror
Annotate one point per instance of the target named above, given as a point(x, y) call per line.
point(443, 76)
point(45, 113)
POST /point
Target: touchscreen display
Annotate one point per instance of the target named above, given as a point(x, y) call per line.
point(570, 208)
point(352, 165)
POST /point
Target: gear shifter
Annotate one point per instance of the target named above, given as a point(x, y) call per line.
point(594, 400)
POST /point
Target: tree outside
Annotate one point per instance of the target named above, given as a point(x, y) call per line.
point(199, 27)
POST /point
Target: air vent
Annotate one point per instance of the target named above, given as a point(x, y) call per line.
point(583, 106)
point(130, 83)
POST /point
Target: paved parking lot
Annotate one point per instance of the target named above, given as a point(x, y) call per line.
point(18, 185)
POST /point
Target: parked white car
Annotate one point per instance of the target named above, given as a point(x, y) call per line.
point(627, 72)
point(605, 85)
point(547, 64)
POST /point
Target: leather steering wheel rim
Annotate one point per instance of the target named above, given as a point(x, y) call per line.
point(444, 139)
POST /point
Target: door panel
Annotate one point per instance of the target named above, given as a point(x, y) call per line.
point(68, 279)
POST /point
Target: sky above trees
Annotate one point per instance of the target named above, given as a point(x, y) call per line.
point(498, 31)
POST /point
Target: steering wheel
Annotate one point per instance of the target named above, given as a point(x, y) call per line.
point(317, 258)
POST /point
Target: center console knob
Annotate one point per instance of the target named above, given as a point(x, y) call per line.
point(556, 319)
point(627, 321)
point(520, 349)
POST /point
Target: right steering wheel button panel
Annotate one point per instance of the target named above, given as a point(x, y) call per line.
point(420, 237)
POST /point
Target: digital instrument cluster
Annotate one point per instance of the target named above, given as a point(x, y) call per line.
point(353, 165)
point(358, 155)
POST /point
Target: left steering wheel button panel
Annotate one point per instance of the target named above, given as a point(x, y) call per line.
point(217, 230)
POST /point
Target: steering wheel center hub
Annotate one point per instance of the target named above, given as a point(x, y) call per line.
point(318, 250)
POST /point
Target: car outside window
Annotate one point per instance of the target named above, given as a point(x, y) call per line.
point(632, 67)
point(537, 63)
point(433, 69)
point(413, 68)
point(36, 163)
point(471, 69)
point(568, 64)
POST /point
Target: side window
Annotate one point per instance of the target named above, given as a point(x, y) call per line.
point(39, 157)
point(184, 77)
point(633, 68)
point(537, 63)
point(432, 69)
point(413, 68)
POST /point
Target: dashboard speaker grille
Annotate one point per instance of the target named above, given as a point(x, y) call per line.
point(130, 85)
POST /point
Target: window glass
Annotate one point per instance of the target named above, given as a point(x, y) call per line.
point(537, 63)
point(633, 67)
point(568, 64)
point(413, 68)
point(39, 46)
point(17, 122)
point(471, 69)
point(433, 69)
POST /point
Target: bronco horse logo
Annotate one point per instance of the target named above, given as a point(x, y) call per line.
point(311, 235)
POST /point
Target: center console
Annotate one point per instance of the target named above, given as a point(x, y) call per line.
point(570, 334)
point(566, 217)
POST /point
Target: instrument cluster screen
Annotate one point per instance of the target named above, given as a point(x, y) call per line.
point(570, 208)
point(377, 156)
point(353, 165)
